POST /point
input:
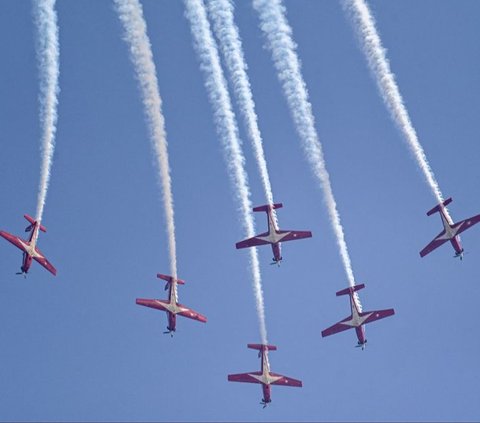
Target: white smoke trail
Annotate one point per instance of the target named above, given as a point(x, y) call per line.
point(273, 23)
point(224, 118)
point(130, 13)
point(379, 65)
point(45, 18)
point(221, 13)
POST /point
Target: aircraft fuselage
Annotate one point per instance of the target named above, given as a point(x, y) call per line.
point(451, 234)
point(30, 249)
point(266, 378)
point(274, 237)
point(357, 320)
point(172, 307)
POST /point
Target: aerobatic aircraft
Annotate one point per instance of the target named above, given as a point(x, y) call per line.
point(358, 318)
point(451, 231)
point(265, 377)
point(29, 248)
point(274, 236)
point(172, 307)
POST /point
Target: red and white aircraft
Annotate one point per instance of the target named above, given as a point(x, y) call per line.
point(172, 307)
point(29, 248)
point(451, 231)
point(274, 236)
point(265, 377)
point(358, 318)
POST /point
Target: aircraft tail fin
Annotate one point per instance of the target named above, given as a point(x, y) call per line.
point(169, 279)
point(261, 347)
point(266, 207)
point(438, 207)
point(32, 223)
point(350, 290)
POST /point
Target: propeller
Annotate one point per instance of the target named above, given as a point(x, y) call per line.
point(361, 345)
point(169, 331)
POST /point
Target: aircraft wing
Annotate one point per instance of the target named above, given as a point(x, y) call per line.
point(467, 223)
point(377, 314)
point(157, 304)
point(252, 242)
point(285, 381)
point(15, 240)
point(293, 235)
point(437, 242)
point(44, 262)
point(337, 327)
point(191, 314)
point(245, 377)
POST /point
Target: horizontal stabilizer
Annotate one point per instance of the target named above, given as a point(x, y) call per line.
point(267, 207)
point(350, 290)
point(438, 206)
point(33, 222)
point(262, 347)
point(169, 279)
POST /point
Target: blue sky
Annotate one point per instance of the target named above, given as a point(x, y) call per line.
point(76, 347)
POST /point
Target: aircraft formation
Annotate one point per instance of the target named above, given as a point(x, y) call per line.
point(273, 237)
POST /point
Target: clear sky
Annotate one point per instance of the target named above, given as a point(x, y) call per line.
point(76, 347)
